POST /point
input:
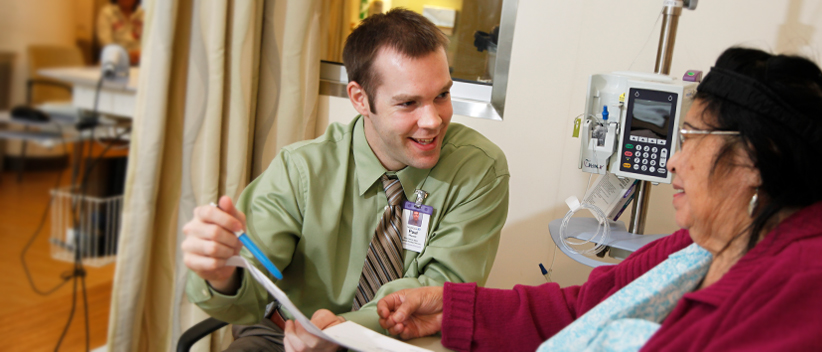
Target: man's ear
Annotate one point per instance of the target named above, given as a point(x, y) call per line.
point(358, 98)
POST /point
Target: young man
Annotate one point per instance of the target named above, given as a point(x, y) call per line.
point(328, 212)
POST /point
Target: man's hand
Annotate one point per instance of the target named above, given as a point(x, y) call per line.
point(412, 313)
point(210, 241)
point(298, 339)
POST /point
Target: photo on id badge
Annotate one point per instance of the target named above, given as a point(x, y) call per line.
point(415, 225)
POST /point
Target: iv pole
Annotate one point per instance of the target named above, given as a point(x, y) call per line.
point(632, 238)
point(664, 54)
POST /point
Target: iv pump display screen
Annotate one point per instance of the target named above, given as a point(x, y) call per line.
point(647, 142)
point(651, 119)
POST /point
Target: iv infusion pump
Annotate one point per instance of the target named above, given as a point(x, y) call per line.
point(630, 123)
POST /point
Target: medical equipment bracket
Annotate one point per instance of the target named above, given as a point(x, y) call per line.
point(585, 228)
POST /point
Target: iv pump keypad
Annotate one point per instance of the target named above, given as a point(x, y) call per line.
point(647, 156)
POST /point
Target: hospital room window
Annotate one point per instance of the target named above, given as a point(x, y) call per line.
point(480, 34)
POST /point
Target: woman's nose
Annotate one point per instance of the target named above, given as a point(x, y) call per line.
point(673, 162)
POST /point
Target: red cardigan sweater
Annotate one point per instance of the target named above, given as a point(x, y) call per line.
point(770, 300)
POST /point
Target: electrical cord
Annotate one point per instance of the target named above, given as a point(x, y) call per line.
point(78, 214)
point(79, 271)
point(66, 276)
point(102, 141)
point(77, 211)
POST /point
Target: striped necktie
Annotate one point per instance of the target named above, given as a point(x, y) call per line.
point(384, 261)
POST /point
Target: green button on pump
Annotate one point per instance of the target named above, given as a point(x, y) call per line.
point(629, 146)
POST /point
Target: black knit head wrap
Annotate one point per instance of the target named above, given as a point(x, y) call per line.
point(753, 95)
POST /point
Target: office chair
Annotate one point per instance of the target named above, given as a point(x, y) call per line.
point(197, 332)
point(51, 56)
point(40, 89)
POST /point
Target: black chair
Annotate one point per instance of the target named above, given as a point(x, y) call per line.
point(197, 332)
point(21, 164)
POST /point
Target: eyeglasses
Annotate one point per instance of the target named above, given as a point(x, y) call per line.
point(684, 132)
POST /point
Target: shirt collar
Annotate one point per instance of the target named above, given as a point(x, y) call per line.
point(369, 169)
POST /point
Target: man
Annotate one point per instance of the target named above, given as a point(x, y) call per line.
point(328, 212)
point(415, 219)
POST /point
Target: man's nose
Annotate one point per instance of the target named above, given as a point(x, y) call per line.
point(430, 118)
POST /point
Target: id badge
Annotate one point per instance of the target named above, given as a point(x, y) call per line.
point(415, 225)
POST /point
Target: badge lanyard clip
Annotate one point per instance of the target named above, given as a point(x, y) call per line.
point(421, 195)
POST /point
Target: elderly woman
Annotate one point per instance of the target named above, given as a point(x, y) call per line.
point(747, 194)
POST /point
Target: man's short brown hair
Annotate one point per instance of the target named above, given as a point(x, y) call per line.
point(405, 31)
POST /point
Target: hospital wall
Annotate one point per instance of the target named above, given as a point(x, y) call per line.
point(40, 22)
point(557, 45)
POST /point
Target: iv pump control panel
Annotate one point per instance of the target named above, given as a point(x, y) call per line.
point(630, 123)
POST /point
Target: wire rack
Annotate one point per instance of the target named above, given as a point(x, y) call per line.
point(93, 236)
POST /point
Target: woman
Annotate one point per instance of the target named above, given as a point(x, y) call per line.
point(747, 194)
point(121, 22)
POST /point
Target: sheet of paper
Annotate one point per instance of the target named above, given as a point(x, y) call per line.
point(348, 334)
point(278, 294)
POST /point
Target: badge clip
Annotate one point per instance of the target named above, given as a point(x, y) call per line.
point(421, 195)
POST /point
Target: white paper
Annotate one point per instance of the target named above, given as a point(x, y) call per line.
point(278, 294)
point(349, 334)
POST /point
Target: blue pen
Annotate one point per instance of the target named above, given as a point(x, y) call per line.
point(256, 252)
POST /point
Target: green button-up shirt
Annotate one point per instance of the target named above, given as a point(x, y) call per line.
point(315, 210)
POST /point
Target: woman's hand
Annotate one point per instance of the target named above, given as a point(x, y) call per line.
point(412, 313)
point(298, 339)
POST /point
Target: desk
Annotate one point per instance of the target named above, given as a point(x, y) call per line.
point(116, 98)
point(47, 134)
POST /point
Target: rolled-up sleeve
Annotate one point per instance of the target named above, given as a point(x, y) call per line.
point(272, 206)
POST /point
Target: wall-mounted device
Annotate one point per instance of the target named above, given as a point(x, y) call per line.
point(630, 124)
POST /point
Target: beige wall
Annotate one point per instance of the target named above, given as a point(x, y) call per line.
point(557, 45)
point(23, 23)
point(84, 19)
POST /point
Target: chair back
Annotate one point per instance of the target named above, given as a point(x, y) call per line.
point(51, 56)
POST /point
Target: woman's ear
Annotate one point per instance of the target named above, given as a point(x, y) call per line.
point(749, 175)
point(358, 98)
point(757, 178)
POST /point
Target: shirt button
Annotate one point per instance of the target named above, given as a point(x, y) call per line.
point(205, 292)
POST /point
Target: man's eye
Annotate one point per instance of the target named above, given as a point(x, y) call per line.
point(443, 95)
point(407, 104)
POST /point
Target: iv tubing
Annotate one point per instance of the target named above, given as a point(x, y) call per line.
point(602, 235)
